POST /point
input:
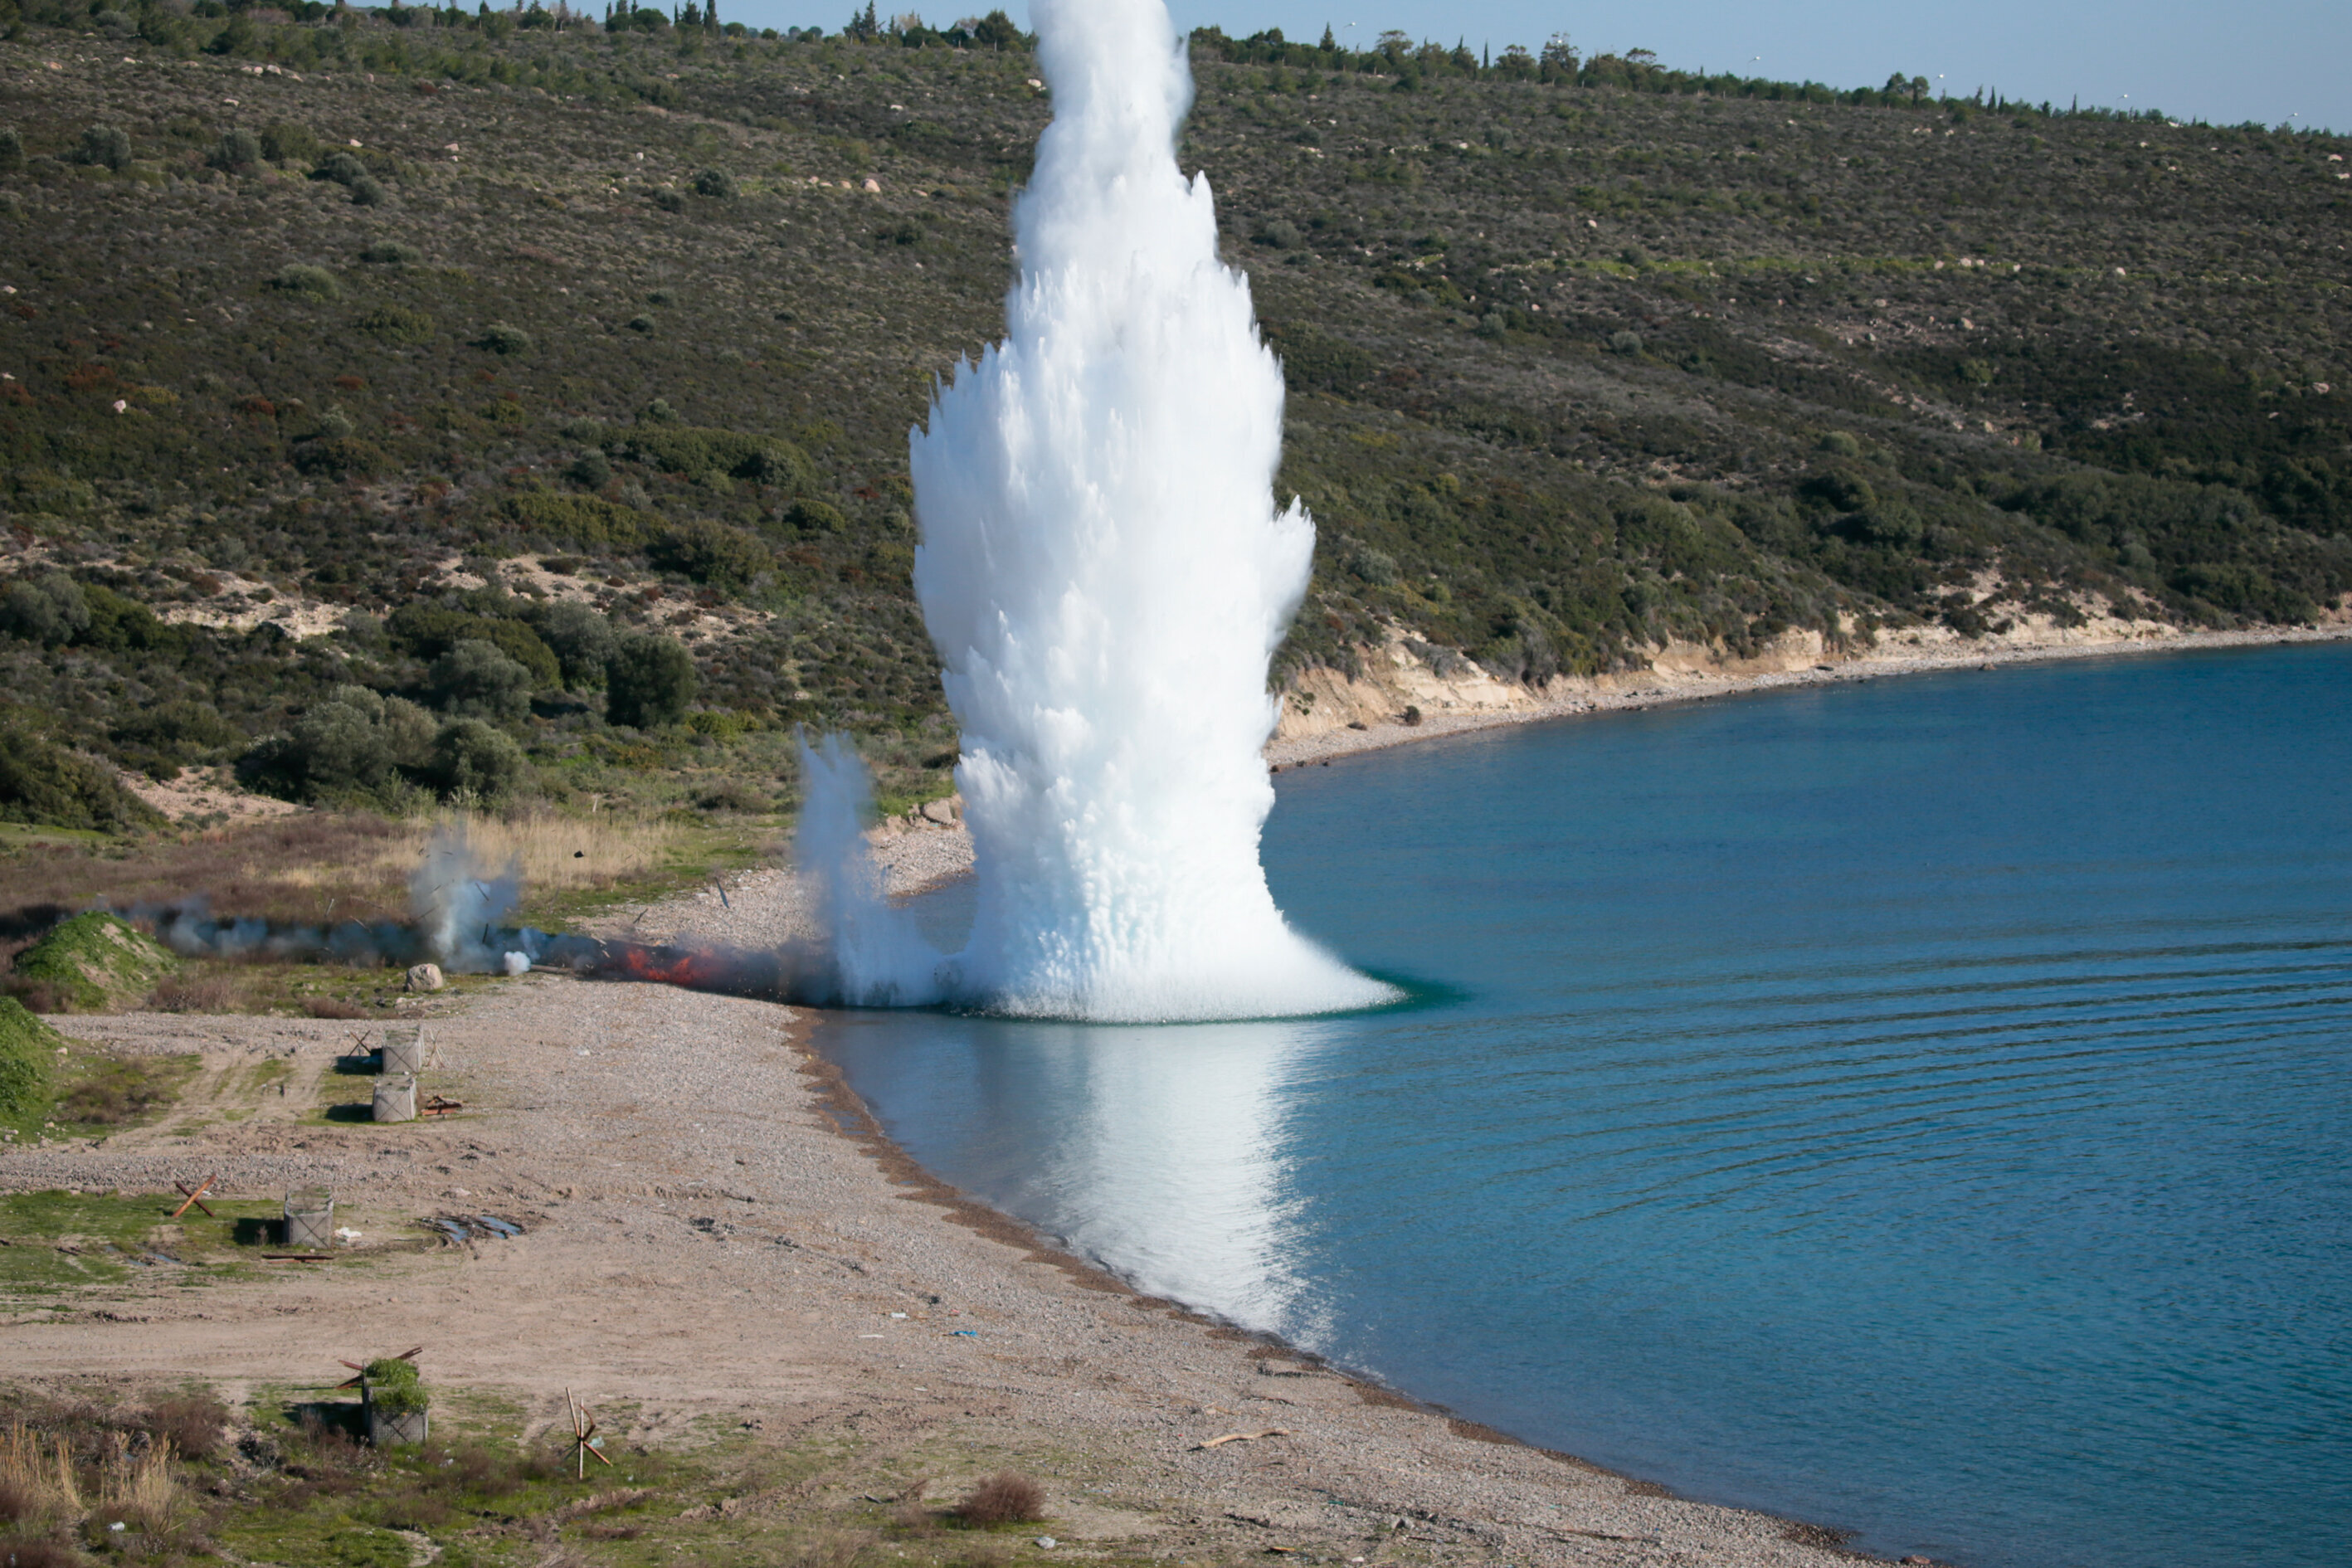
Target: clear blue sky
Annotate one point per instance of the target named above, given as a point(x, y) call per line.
point(2258, 59)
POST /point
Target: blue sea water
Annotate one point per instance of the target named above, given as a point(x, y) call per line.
point(1922, 1107)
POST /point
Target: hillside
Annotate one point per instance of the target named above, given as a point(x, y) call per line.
point(343, 347)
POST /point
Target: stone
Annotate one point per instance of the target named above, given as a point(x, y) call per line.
point(424, 977)
point(938, 811)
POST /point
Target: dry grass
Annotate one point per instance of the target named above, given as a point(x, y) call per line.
point(1005, 1497)
point(557, 854)
point(139, 1489)
point(36, 1478)
point(201, 992)
point(296, 870)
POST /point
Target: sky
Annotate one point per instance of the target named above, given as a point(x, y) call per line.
point(2258, 59)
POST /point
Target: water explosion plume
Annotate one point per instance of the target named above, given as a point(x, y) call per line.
point(1106, 579)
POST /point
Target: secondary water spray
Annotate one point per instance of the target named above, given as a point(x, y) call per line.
point(1106, 578)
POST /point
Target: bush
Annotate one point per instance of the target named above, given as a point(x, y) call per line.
point(367, 191)
point(669, 201)
point(392, 253)
point(475, 680)
point(28, 1049)
point(397, 324)
point(476, 762)
point(350, 743)
point(12, 151)
point(285, 142)
point(500, 339)
point(192, 1423)
point(46, 786)
point(340, 167)
point(717, 184)
point(1625, 343)
point(812, 516)
point(695, 452)
point(581, 639)
point(649, 682)
point(237, 151)
point(712, 553)
point(302, 279)
point(49, 609)
point(107, 146)
point(1004, 1498)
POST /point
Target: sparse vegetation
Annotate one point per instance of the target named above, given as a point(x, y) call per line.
point(1005, 1497)
point(1567, 339)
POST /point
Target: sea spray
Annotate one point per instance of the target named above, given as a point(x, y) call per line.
point(1106, 579)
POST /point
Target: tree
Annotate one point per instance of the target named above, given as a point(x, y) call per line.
point(475, 762)
point(105, 146)
point(864, 26)
point(581, 639)
point(50, 610)
point(475, 680)
point(995, 31)
point(649, 682)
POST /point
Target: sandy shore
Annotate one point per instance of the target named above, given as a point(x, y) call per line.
point(719, 1240)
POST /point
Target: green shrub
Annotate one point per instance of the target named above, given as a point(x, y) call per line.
point(582, 640)
point(341, 457)
point(649, 682)
point(812, 516)
point(349, 746)
point(303, 279)
point(698, 452)
point(286, 141)
point(340, 167)
point(669, 201)
point(12, 151)
point(477, 761)
point(237, 151)
point(585, 520)
point(500, 339)
point(397, 324)
point(712, 553)
point(717, 184)
point(50, 610)
point(43, 784)
point(475, 680)
point(28, 1051)
point(105, 146)
point(367, 191)
point(392, 253)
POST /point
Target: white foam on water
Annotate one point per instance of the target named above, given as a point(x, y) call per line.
point(1106, 578)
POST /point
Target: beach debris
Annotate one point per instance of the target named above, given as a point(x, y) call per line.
point(461, 1228)
point(437, 1106)
point(961, 1334)
point(1047, 1542)
point(346, 1235)
point(424, 977)
point(583, 1435)
point(195, 1197)
point(1220, 1442)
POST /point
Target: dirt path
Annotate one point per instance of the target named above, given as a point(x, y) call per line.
point(714, 1236)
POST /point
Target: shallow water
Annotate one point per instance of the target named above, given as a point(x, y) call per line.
point(1921, 1107)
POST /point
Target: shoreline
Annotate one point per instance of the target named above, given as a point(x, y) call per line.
point(1641, 689)
point(917, 854)
point(718, 1249)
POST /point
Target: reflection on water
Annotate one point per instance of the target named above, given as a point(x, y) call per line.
point(1155, 1152)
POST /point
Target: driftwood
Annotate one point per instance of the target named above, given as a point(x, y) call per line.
point(1242, 1437)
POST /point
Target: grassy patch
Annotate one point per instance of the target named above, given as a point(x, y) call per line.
point(89, 964)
